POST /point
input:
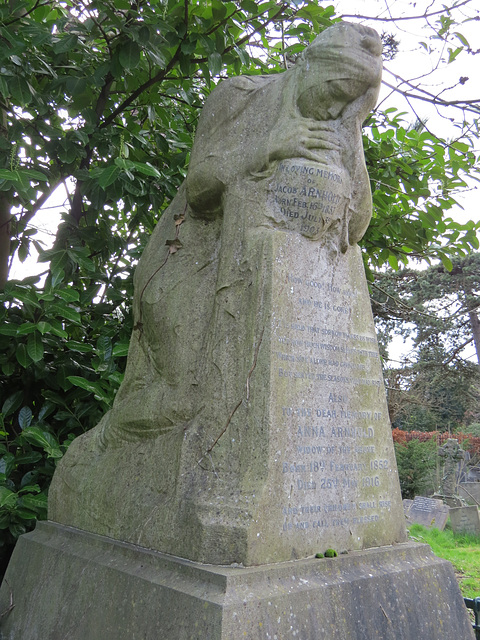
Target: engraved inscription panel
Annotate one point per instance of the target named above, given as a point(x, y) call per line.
point(308, 197)
point(430, 512)
point(334, 457)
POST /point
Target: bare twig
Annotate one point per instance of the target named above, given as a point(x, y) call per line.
point(423, 16)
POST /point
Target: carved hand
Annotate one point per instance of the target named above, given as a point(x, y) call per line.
point(303, 138)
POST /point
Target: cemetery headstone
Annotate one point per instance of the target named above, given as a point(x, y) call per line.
point(251, 431)
point(428, 511)
point(451, 453)
point(470, 492)
point(465, 520)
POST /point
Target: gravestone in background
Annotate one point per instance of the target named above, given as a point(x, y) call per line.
point(251, 430)
point(470, 492)
point(465, 520)
point(451, 453)
point(427, 511)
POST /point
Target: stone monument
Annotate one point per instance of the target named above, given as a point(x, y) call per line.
point(429, 512)
point(465, 519)
point(451, 454)
point(251, 431)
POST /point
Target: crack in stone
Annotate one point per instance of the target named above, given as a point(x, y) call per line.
point(237, 406)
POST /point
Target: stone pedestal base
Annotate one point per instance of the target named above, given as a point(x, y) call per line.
point(65, 583)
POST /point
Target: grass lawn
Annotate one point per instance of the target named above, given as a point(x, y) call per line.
point(463, 551)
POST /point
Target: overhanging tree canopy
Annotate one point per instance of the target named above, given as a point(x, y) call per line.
point(436, 385)
point(108, 93)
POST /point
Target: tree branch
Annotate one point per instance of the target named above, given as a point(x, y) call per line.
point(464, 105)
point(457, 351)
point(30, 213)
point(423, 16)
point(36, 6)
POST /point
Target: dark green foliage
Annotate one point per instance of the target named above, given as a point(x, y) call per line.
point(436, 389)
point(433, 306)
point(416, 462)
point(60, 369)
point(431, 395)
point(330, 553)
point(413, 175)
point(472, 429)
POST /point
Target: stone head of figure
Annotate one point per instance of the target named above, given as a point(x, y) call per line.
point(342, 65)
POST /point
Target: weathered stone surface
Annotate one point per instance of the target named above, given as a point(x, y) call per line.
point(252, 425)
point(465, 520)
point(451, 453)
point(428, 511)
point(470, 492)
point(306, 462)
point(71, 584)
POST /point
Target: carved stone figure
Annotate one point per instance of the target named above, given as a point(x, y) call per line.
point(251, 130)
point(203, 454)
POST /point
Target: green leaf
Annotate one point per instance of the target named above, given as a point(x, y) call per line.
point(44, 327)
point(8, 499)
point(20, 91)
point(8, 329)
point(147, 169)
point(4, 91)
point(43, 439)
point(108, 176)
point(69, 294)
point(32, 174)
point(35, 502)
point(29, 458)
point(26, 328)
point(35, 346)
point(219, 10)
point(17, 529)
point(447, 263)
point(452, 54)
point(28, 296)
point(215, 63)
point(22, 356)
point(462, 39)
point(393, 261)
point(81, 347)
point(25, 417)
point(129, 54)
point(8, 368)
point(121, 349)
point(30, 488)
point(12, 403)
point(7, 464)
point(93, 387)
point(25, 514)
point(20, 175)
point(57, 330)
point(66, 43)
point(65, 311)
